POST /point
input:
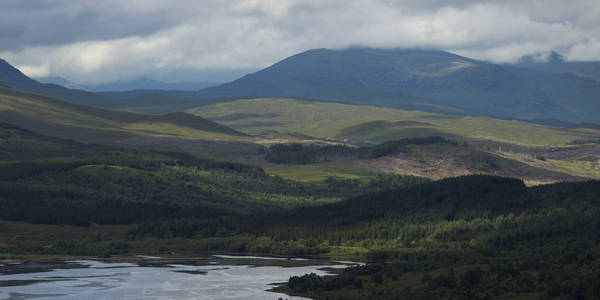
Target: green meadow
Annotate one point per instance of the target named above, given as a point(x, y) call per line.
point(274, 116)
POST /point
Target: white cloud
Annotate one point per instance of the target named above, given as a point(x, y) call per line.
point(105, 41)
point(589, 50)
point(42, 70)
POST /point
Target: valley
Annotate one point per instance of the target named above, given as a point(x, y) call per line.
point(437, 200)
point(496, 146)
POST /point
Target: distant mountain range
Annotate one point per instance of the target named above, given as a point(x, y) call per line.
point(60, 81)
point(134, 85)
point(13, 78)
point(427, 80)
point(167, 100)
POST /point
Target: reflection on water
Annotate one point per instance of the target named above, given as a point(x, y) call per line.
point(222, 277)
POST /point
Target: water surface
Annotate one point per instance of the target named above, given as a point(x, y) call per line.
point(220, 277)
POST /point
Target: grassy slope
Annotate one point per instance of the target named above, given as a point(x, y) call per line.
point(376, 124)
point(46, 170)
point(437, 161)
point(56, 181)
point(290, 119)
point(59, 118)
point(317, 173)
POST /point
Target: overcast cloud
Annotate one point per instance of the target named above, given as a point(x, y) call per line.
point(110, 40)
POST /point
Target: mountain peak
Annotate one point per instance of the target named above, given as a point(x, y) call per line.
point(421, 79)
point(555, 58)
point(542, 58)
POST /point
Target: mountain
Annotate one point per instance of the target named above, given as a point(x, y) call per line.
point(13, 78)
point(57, 80)
point(153, 101)
point(416, 79)
point(149, 84)
point(578, 96)
point(555, 63)
point(54, 117)
point(427, 80)
point(401, 78)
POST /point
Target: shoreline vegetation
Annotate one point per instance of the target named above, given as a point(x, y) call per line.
point(474, 236)
point(17, 274)
point(497, 236)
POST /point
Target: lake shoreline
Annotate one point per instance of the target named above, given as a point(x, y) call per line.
point(165, 259)
point(20, 276)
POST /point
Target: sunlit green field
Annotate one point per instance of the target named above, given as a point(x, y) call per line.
point(583, 168)
point(317, 172)
point(376, 124)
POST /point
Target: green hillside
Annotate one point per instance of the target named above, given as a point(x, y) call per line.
point(60, 118)
point(286, 117)
point(78, 182)
point(495, 234)
point(432, 157)
point(47, 180)
point(472, 237)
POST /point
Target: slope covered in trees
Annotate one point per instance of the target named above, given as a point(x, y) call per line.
point(476, 237)
point(56, 181)
point(501, 237)
point(300, 154)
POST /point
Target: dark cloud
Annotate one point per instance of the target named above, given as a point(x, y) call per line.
point(48, 22)
point(100, 41)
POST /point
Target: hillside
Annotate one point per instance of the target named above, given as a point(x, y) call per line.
point(57, 181)
point(302, 118)
point(572, 91)
point(180, 130)
point(60, 118)
point(432, 157)
point(556, 64)
point(13, 78)
point(426, 80)
point(473, 237)
point(534, 153)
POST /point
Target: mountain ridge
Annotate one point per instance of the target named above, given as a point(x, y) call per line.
point(416, 79)
point(404, 78)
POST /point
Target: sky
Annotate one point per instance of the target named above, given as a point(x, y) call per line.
point(92, 42)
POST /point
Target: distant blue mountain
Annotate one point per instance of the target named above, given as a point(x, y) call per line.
point(57, 80)
point(149, 84)
point(13, 78)
point(153, 101)
point(139, 84)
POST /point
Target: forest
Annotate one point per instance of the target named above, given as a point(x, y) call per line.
point(467, 237)
point(309, 154)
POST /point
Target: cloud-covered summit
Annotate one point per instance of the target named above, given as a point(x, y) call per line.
point(104, 41)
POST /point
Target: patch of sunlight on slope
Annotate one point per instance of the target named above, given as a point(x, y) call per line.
point(327, 119)
point(60, 118)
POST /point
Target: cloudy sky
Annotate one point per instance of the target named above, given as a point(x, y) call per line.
point(88, 41)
